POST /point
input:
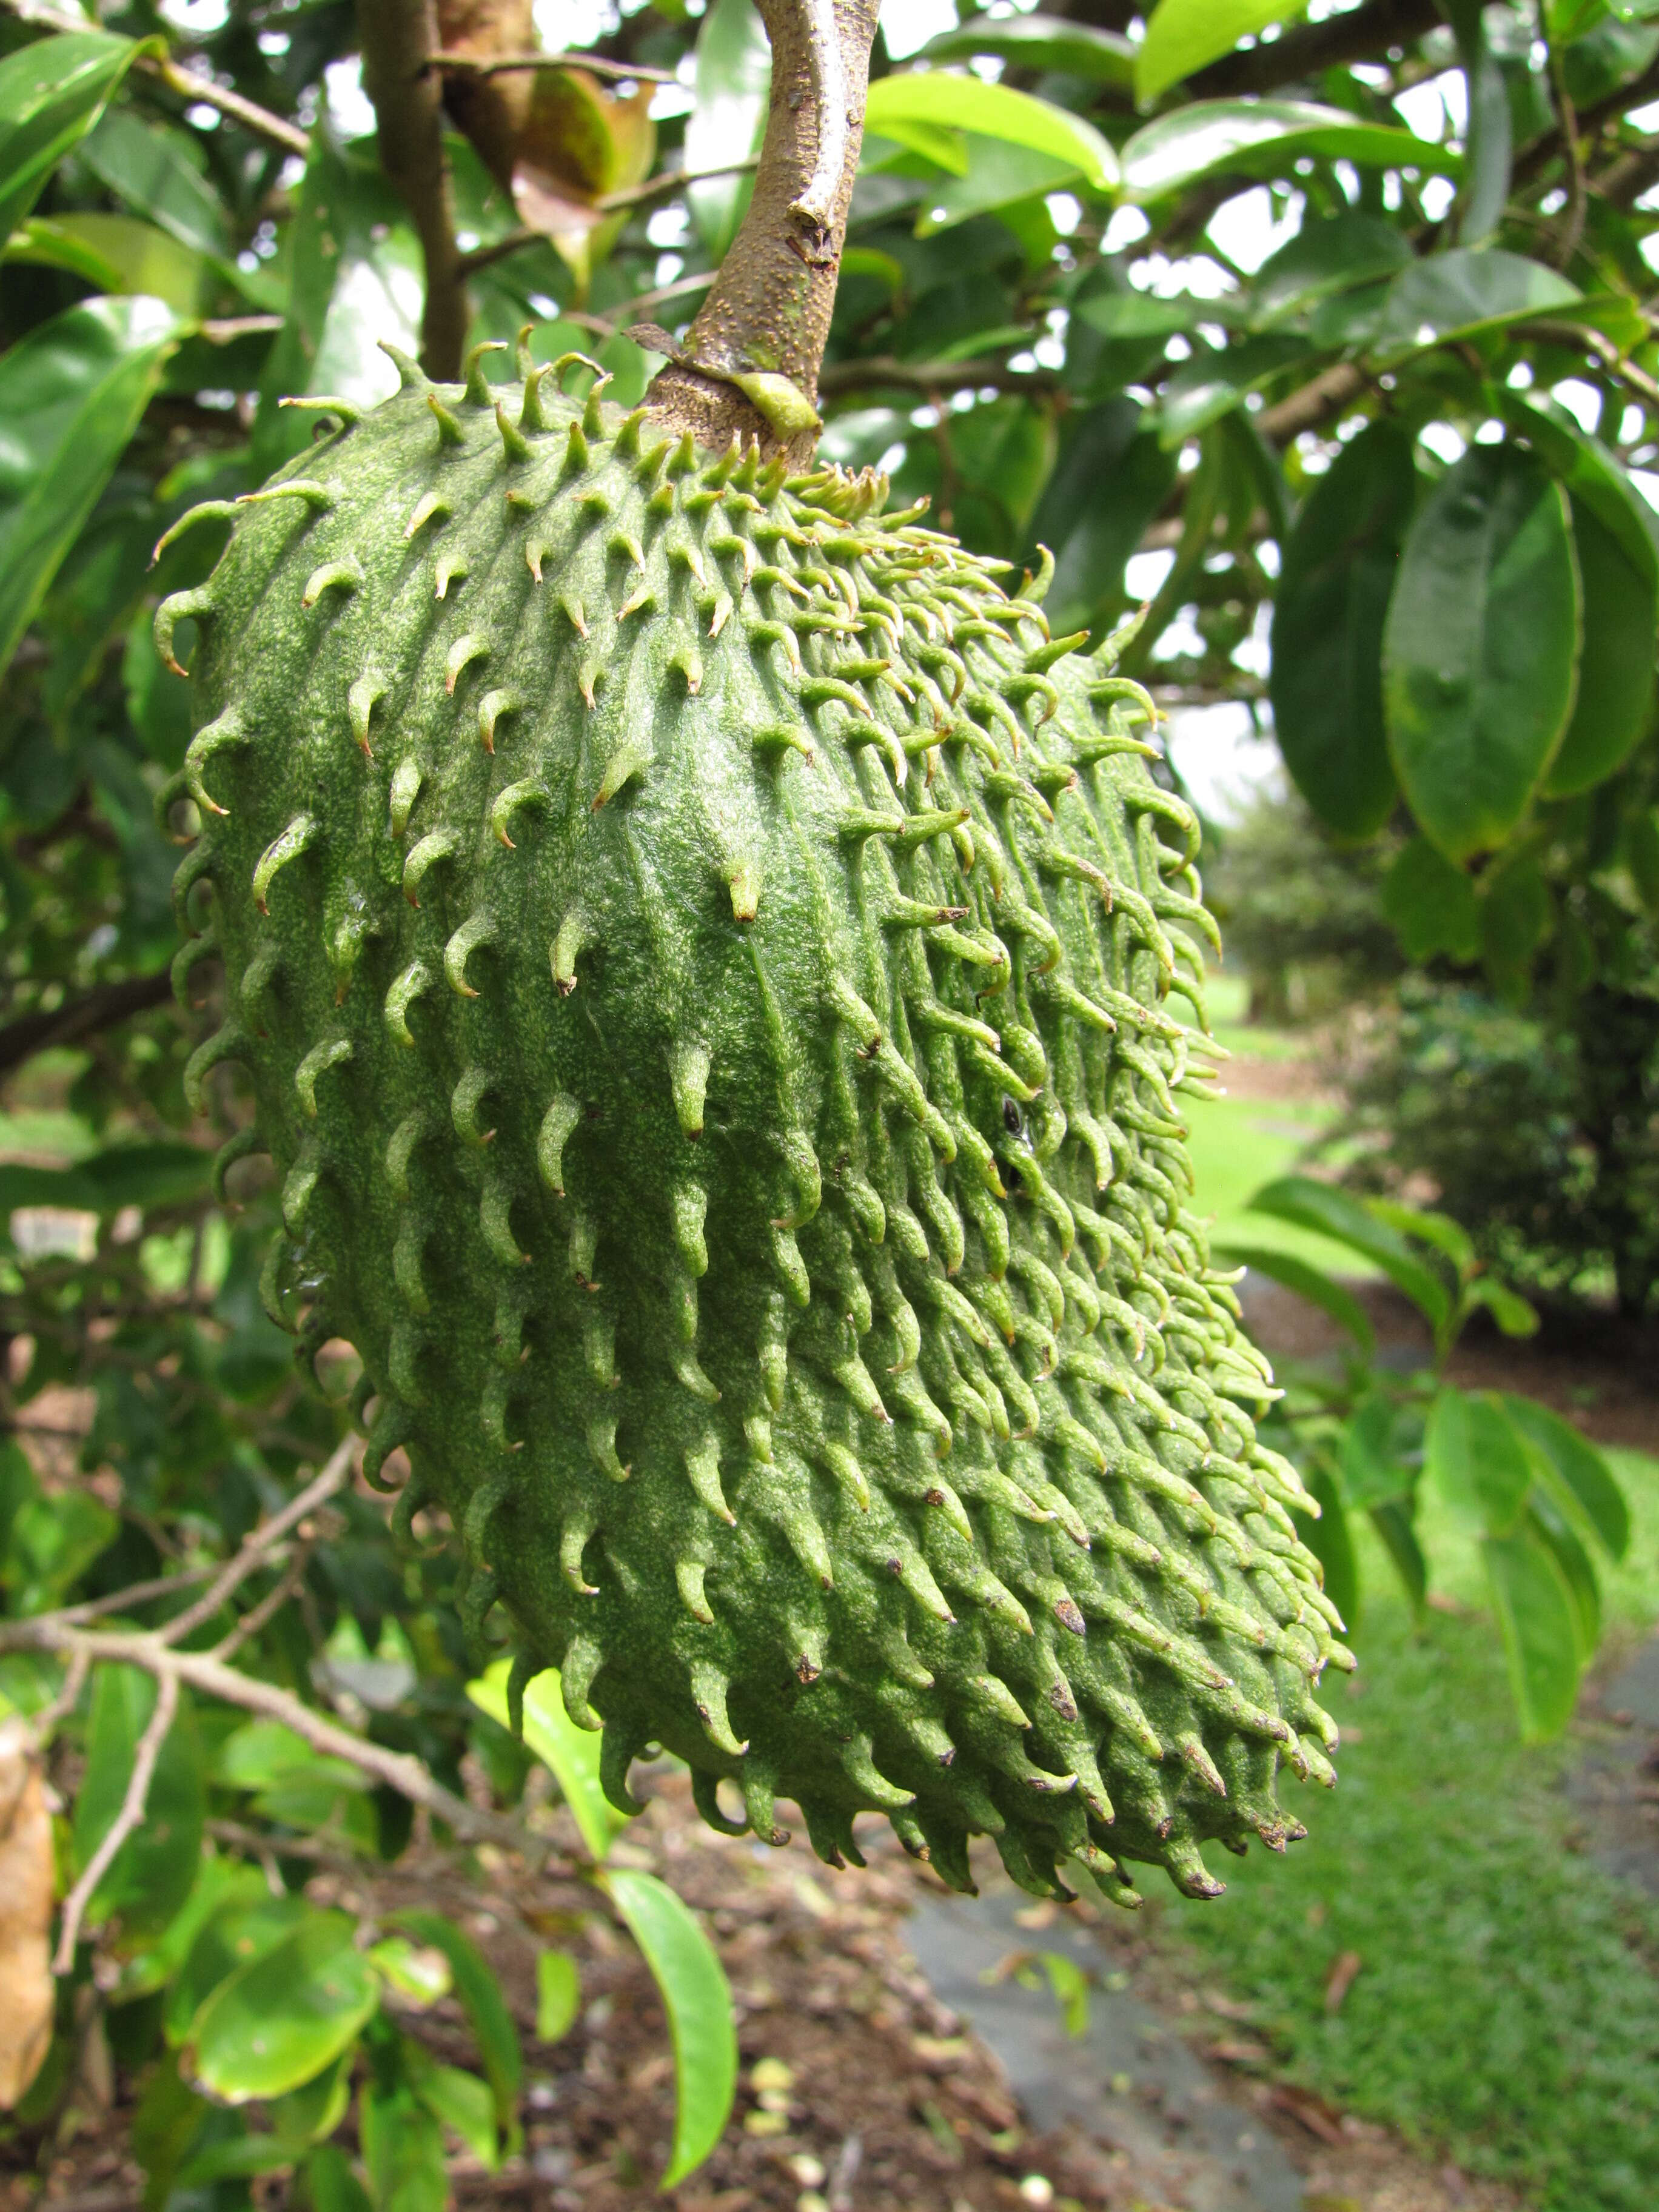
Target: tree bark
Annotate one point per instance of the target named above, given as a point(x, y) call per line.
point(770, 307)
point(399, 36)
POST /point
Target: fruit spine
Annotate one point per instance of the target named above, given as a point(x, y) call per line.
point(701, 950)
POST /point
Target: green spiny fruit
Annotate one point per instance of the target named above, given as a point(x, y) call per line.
point(699, 949)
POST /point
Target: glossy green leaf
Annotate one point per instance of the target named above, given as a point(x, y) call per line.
point(1042, 42)
point(1373, 1468)
point(403, 2146)
point(1266, 138)
point(329, 2184)
point(1544, 1519)
point(1593, 478)
point(148, 164)
point(1469, 289)
point(1329, 612)
point(1331, 1212)
point(1308, 1282)
point(1480, 651)
point(418, 1972)
point(730, 90)
point(558, 1994)
point(1214, 380)
point(1489, 131)
point(152, 1873)
point(698, 2002)
point(996, 172)
point(488, 2014)
point(279, 2022)
point(1395, 1524)
point(1537, 1620)
point(573, 1753)
point(1182, 35)
point(1573, 1468)
point(71, 393)
point(118, 253)
point(52, 93)
point(1614, 706)
point(1474, 1455)
point(1330, 1539)
point(1322, 260)
point(241, 1926)
point(1432, 903)
point(314, 2111)
point(994, 111)
point(1514, 1314)
point(1112, 478)
point(464, 2105)
point(50, 1543)
point(1429, 1225)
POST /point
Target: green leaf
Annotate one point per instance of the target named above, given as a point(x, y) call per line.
point(1613, 708)
point(51, 1544)
point(558, 1994)
point(1447, 1235)
point(1111, 479)
point(1575, 1471)
point(1537, 1620)
point(1042, 42)
point(1481, 652)
point(464, 2105)
point(307, 2114)
point(1330, 1212)
point(487, 2012)
point(1182, 35)
point(730, 90)
point(1394, 1523)
point(994, 111)
point(52, 93)
point(1514, 1314)
point(280, 2020)
point(1544, 1519)
point(1432, 903)
point(1330, 1539)
point(1329, 612)
point(1308, 1282)
point(1467, 290)
point(149, 164)
point(573, 1753)
point(242, 1926)
point(154, 1871)
point(1214, 380)
point(404, 2151)
point(329, 2184)
point(159, 1172)
point(1474, 1454)
point(698, 2002)
point(1593, 478)
point(1070, 1987)
point(1489, 132)
point(1266, 138)
point(996, 172)
point(416, 1971)
point(71, 393)
point(117, 254)
point(1373, 1471)
point(1323, 259)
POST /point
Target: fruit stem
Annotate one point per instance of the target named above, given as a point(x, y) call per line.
point(768, 310)
point(399, 38)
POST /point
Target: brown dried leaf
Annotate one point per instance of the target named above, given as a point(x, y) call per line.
point(579, 143)
point(1340, 1978)
point(490, 110)
point(26, 1902)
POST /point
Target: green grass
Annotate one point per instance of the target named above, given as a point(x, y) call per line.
point(1507, 2008)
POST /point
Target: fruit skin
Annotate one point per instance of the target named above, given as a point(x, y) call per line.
point(699, 950)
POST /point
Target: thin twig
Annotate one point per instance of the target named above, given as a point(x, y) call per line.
point(1572, 229)
point(606, 326)
point(42, 1724)
point(210, 1678)
point(188, 83)
point(136, 1594)
point(396, 37)
point(274, 1600)
point(672, 181)
point(878, 370)
point(599, 65)
point(258, 1543)
point(1625, 372)
point(131, 1812)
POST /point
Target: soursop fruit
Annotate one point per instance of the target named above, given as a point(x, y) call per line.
point(701, 948)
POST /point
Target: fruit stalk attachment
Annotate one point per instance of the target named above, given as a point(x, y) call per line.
point(750, 364)
point(399, 36)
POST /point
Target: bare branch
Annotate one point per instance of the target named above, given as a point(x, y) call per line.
point(398, 38)
point(100, 1008)
point(596, 65)
point(188, 83)
point(131, 1812)
point(881, 369)
point(256, 1545)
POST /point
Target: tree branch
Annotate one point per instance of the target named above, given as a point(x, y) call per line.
point(398, 38)
point(133, 1806)
point(597, 64)
point(256, 1544)
point(1303, 56)
point(186, 82)
point(770, 307)
point(100, 1008)
point(875, 370)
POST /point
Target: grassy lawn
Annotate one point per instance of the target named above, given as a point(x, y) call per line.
point(1507, 2007)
